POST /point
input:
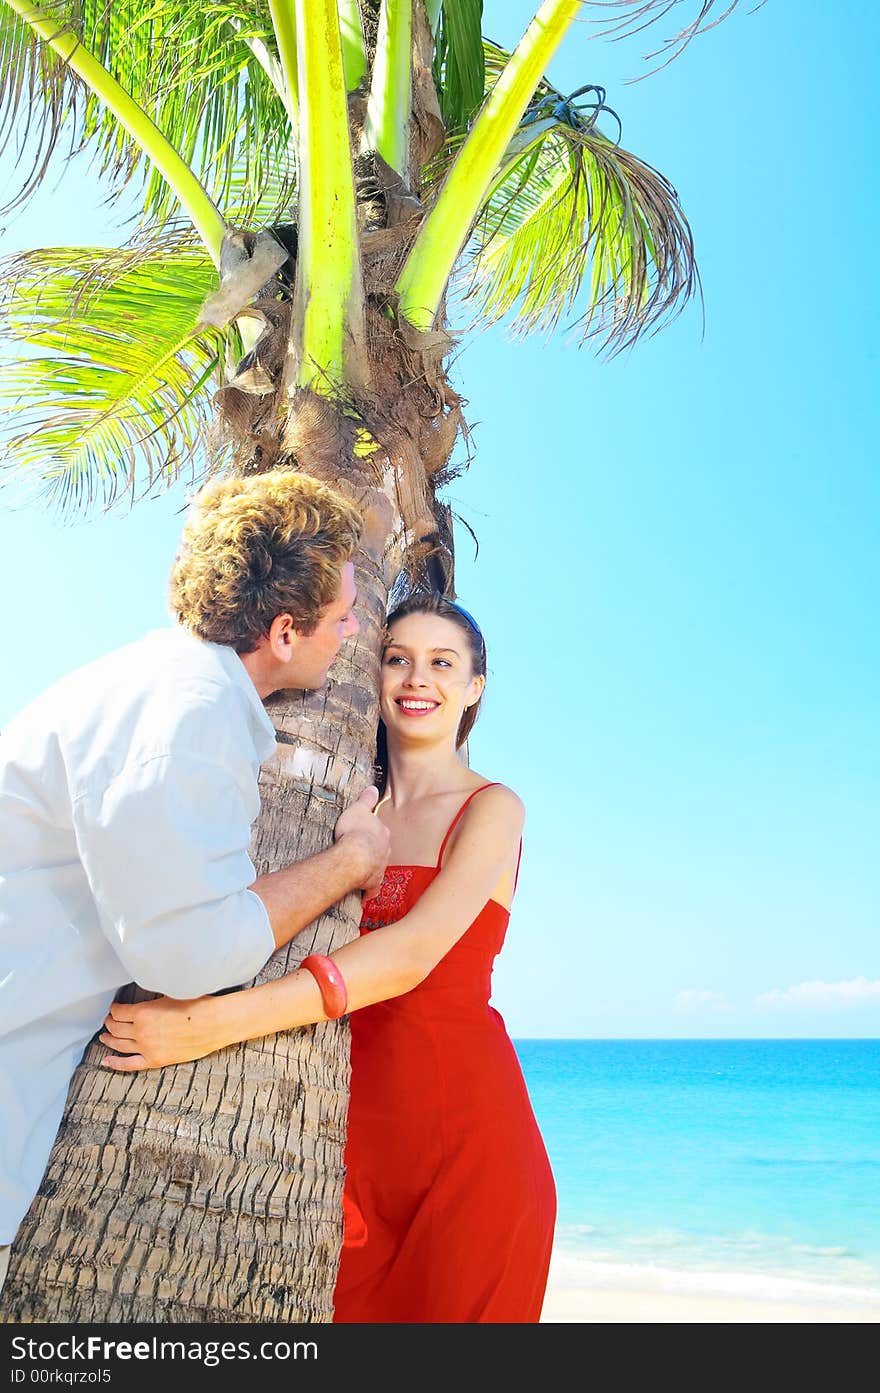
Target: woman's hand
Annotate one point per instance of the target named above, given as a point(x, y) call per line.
point(149, 1034)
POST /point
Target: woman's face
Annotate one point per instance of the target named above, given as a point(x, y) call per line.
point(427, 679)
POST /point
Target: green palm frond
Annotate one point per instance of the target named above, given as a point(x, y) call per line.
point(273, 202)
point(459, 72)
point(494, 61)
point(113, 383)
point(578, 221)
point(196, 70)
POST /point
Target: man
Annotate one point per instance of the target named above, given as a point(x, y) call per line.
point(129, 789)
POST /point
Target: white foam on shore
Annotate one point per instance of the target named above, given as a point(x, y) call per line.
point(569, 1271)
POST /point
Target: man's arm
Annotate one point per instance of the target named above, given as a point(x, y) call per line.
point(293, 897)
point(381, 964)
point(165, 848)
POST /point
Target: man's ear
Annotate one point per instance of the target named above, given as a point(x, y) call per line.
point(282, 638)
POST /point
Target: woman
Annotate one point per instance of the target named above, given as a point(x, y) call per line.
point(449, 1198)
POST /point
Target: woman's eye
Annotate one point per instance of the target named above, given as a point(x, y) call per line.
point(444, 662)
point(394, 659)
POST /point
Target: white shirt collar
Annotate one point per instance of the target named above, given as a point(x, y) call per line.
point(238, 673)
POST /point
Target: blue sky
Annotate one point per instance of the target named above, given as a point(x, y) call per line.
point(677, 573)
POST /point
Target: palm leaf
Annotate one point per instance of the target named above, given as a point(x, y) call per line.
point(33, 81)
point(494, 61)
point(459, 72)
point(248, 206)
point(579, 222)
point(194, 69)
point(114, 391)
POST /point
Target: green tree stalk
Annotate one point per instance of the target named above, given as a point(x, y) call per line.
point(386, 128)
point(327, 298)
point(424, 278)
point(284, 25)
point(354, 53)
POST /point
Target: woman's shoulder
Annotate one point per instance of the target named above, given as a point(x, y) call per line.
point(490, 821)
point(497, 798)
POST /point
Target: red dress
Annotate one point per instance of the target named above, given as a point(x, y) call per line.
point(449, 1198)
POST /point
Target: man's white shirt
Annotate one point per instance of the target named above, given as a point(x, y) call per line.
point(127, 795)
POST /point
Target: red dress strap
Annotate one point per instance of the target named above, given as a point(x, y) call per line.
point(454, 823)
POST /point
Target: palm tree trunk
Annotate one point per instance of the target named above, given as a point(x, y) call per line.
point(212, 1191)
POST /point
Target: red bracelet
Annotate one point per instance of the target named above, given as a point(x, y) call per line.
point(331, 982)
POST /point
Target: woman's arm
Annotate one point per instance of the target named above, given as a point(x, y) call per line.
point(378, 965)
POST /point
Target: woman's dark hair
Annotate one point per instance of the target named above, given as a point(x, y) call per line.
point(432, 602)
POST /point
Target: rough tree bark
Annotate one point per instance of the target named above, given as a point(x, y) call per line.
point(212, 1191)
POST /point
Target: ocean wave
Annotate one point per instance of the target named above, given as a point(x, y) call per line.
point(755, 1257)
point(577, 1272)
point(807, 1162)
point(812, 1249)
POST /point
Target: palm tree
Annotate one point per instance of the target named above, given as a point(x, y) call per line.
point(315, 178)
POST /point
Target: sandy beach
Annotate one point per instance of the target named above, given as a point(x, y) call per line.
point(608, 1293)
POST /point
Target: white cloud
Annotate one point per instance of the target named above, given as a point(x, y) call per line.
point(694, 1000)
point(858, 991)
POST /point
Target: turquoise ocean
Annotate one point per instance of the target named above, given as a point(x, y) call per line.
point(731, 1166)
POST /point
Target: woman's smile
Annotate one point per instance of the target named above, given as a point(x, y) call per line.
point(415, 706)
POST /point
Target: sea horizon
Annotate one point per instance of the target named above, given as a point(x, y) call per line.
point(734, 1165)
point(768, 1039)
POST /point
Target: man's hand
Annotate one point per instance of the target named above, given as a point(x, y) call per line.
point(297, 894)
point(364, 833)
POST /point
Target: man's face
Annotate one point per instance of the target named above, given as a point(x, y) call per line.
point(314, 653)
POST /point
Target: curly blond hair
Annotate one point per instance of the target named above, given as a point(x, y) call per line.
point(259, 547)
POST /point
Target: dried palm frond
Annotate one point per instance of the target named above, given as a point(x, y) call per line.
point(641, 14)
